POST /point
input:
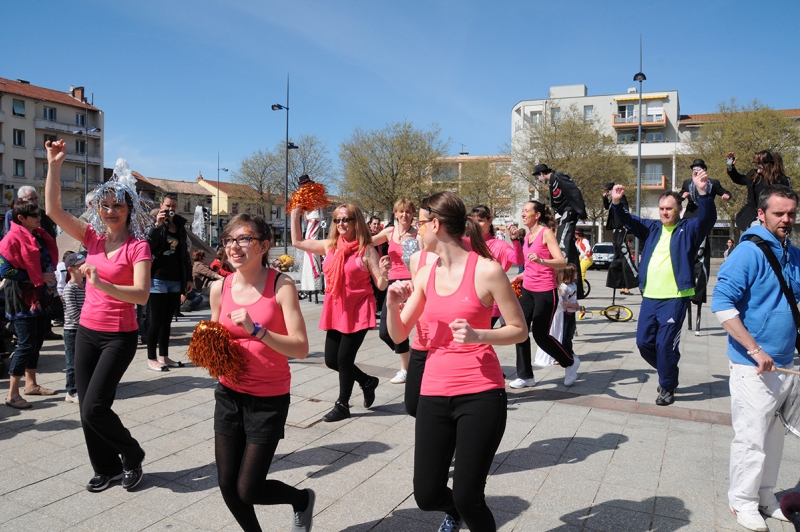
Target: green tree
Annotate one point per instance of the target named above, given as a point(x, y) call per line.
point(573, 145)
point(744, 130)
point(380, 166)
point(486, 182)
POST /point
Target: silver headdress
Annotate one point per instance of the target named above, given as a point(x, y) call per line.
point(122, 186)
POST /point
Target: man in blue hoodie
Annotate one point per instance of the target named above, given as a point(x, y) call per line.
point(751, 307)
point(666, 275)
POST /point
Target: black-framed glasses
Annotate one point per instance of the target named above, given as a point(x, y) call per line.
point(37, 214)
point(337, 221)
point(241, 241)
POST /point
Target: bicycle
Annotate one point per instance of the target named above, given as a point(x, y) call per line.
point(586, 288)
point(613, 312)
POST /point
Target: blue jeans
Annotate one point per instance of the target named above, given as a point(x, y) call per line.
point(69, 356)
point(159, 286)
point(30, 336)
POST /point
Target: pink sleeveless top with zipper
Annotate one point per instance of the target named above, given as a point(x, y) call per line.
point(458, 369)
point(399, 270)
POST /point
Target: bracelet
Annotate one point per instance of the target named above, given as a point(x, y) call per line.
point(754, 351)
point(261, 338)
point(256, 327)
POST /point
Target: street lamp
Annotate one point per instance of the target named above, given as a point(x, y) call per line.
point(640, 77)
point(218, 170)
point(85, 132)
point(289, 146)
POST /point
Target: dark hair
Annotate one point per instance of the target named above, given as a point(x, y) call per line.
point(566, 274)
point(546, 217)
point(169, 195)
point(452, 214)
point(373, 217)
point(773, 167)
point(262, 229)
point(775, 190)
point(66, 253)
point(198, 255)
point(111, 191)
point(671, 194)
point(482, 211)
point(24, 208)
point(220, 256)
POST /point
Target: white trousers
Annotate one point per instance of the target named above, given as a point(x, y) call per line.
point(757, 445)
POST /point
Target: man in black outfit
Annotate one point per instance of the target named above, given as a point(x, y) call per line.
point(622, 272)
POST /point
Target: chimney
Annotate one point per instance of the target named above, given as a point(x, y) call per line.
point(199, 176)
point(77, 93)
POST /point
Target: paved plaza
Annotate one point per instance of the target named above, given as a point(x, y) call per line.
point(597, 456)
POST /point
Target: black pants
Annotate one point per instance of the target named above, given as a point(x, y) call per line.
point(160, 311)
point(101, 359)
point(416, 367)
point(539, 309)
point(383, 331)
point(471, 426)
point(566, 241)
point(569, 332)
point(340, 355)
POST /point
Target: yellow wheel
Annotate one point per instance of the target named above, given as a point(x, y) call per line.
point(617, 313)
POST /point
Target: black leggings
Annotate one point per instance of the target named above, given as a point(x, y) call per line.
point(471, 426)
point(340, 355)
point(383, 331)
point(161, 309)
point(539, 309)
point(242, 473)
point(416, 367)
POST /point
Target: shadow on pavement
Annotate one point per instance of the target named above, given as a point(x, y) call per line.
point(322, 456)
point(565, 449)
point(630, 516)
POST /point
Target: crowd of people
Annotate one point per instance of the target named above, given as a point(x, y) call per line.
point(436, 280)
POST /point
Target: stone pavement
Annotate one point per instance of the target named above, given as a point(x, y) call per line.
point(597, 456)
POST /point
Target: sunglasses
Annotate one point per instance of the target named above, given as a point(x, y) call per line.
point(337, 221)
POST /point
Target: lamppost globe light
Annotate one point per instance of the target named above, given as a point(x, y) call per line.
point(289, 146)
point(640, 77)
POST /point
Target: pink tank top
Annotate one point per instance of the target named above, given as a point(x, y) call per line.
point(355, 310)
point(421, 341)
point(538, 277)
point(456, 369)
point(267, 372)
point(399, 270)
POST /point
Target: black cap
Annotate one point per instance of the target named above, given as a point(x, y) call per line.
point(609, 185)
point(304, 179)
point(74, 259)
point(541, 169)
point(699, 162)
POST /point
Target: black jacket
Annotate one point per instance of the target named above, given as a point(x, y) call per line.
point(749, 212)
point(612, 222)
point(157, 238)
point(565, 196)
point(688, 186)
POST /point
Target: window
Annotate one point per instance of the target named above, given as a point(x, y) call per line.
point(19, 138)
point(51, 138)
point(80, 146)
point(80, 174)
point(80, 119)
point(50, 114)
point(45, 168)
point(652, 174)
point(19, 168)
point(446, 173)
point(654, 137)
point(19, 107)
point(555, 113)
point(588, 112)
point(234, 208)
point(625, 111)
point(536, 117)
point(626, 137)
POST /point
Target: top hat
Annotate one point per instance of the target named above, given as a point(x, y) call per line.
point(541, 169)
point(304, 179)
point(699, 162)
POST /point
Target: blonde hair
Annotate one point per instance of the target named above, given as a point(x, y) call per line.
point(404, 204)
point(363, 234)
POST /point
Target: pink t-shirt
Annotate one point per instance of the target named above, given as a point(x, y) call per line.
point(421, 341)
point(355, 310)
point(399, 270)
point(537, 277)
point(458, 369)
point(267, 373)
point(101, 312)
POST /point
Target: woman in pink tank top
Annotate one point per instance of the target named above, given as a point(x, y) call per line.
point(541, 256)
point(462, 405)
point(397, 237)
point(261, 310)
point(348, 310)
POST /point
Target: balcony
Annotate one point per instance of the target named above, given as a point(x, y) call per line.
point(72, 156)
point(632, 122)
point(652, 180)
point(63, 127)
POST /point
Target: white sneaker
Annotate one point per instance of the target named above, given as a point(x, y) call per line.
point(572, 372)
point(750, 519)
point(773, 510)
point(522, 383)
point(400, 378)
point(73, 398)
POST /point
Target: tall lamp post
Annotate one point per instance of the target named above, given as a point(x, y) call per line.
point(85, 132)
point(289, 146)
point(218, 171)
point(640, 77)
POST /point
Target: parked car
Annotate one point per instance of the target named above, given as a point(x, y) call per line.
point(603, 254)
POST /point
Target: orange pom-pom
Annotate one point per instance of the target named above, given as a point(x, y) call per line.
point(309, 197)
point(212, 348)
point(517, 286)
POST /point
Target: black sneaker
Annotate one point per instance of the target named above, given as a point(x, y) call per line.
point(665, 397)
point(450, 524)
point(131, 478)
point(303, 520)
point(338, 413)
point(101, 482)
point(369, 391)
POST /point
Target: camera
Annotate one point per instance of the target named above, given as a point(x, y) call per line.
point(169, 214)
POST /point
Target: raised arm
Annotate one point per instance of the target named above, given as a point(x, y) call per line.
point(56, 153)
point(318, 247)
point(378, 267)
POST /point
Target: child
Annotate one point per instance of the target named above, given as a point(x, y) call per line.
point(73, 303)
point(563, 326)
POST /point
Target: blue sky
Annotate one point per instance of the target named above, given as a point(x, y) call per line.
point(179, 81)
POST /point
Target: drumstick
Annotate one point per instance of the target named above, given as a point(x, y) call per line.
point(793, 372)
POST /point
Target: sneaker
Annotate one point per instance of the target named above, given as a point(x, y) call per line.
point(773, 510)
point(71, 398)
point(101, 482)
point(400, 378)
point(522, 383)
point(750, 519)
point(369, 391)
point(572, 371)
point(304, 519)
point(665, 397)
point(449, 524)
point(132, 477)
point(338, 413)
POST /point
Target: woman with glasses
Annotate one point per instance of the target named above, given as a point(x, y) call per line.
point(117, 270)
point(348, 310)
point(462, 404)
point(260, 308)
point(27, 259)
point(768, 171)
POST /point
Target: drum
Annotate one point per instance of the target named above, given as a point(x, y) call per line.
point(790, 411)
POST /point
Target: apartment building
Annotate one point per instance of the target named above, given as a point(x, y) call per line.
point(461, 173)
point(232, 199)
point(32, 115)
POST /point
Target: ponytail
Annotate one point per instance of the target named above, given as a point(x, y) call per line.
point(476, 240)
